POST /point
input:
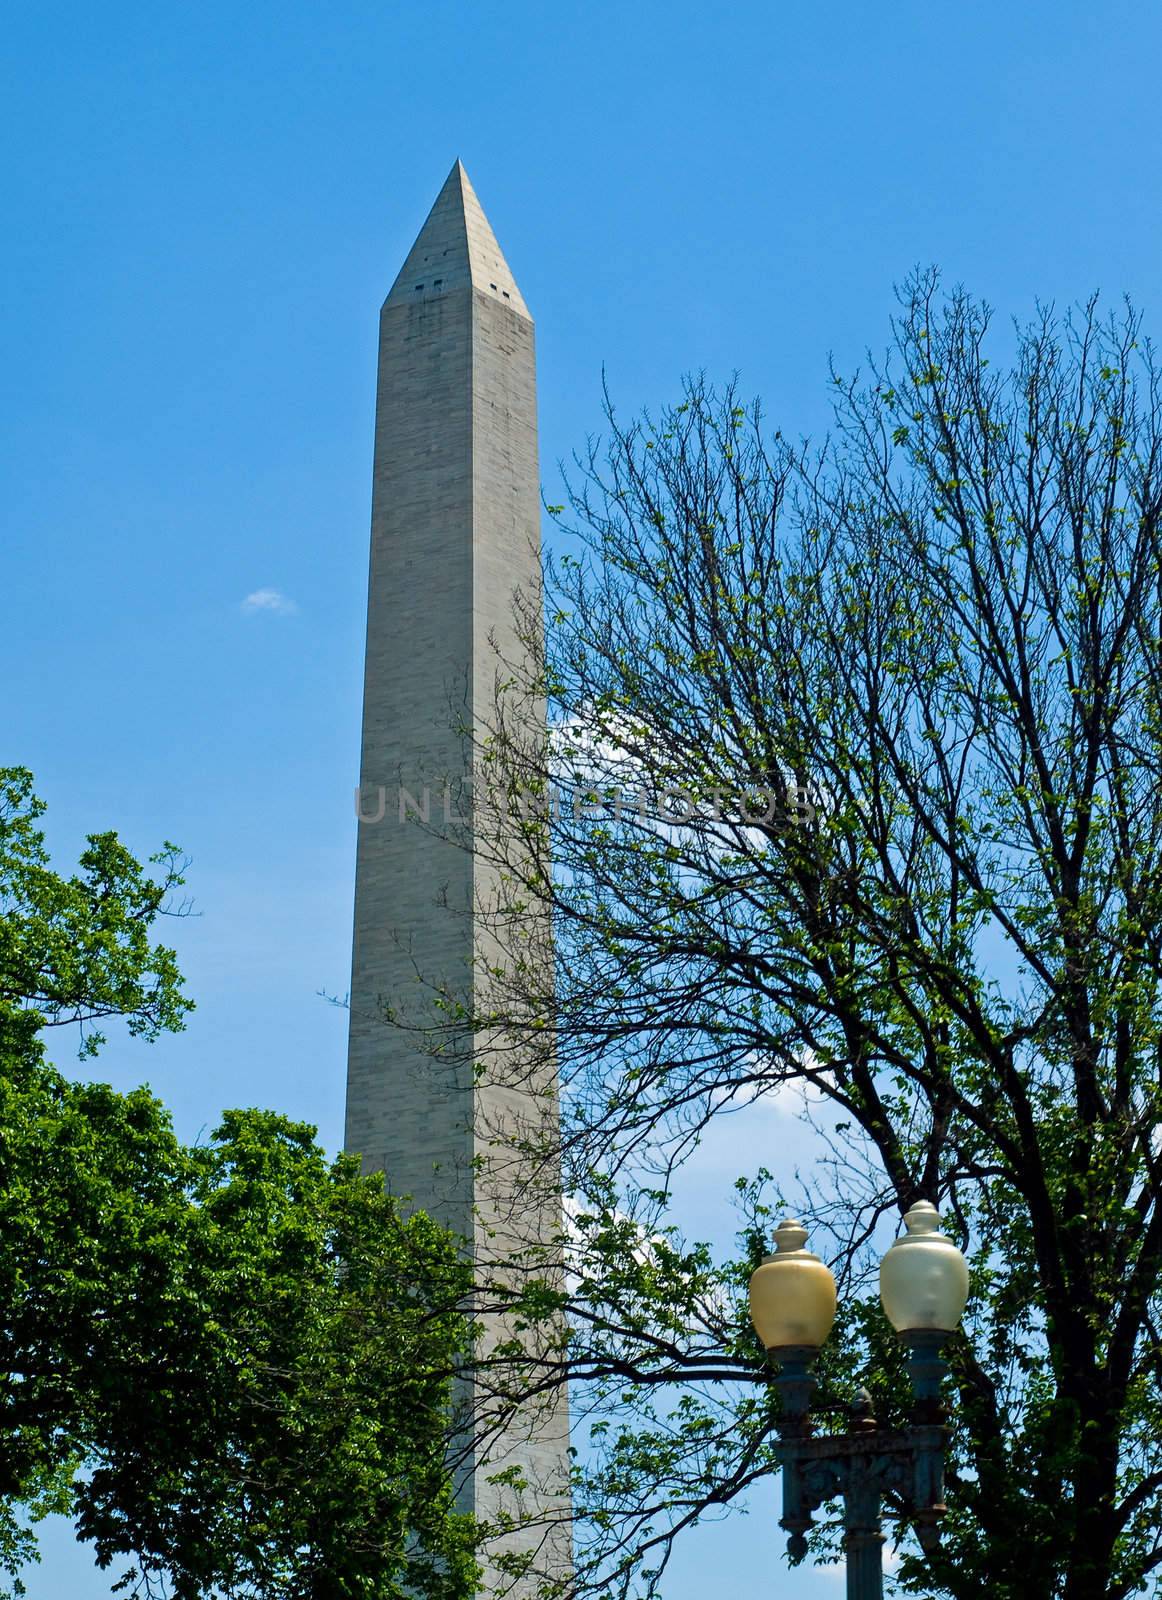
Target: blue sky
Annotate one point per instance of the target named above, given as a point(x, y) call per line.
point(205, 207)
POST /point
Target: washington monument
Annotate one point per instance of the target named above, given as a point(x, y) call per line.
point(454, 538)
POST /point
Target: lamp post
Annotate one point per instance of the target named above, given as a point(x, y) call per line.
point(923, 1289)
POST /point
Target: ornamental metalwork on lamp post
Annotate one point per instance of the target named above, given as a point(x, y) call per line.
point(923, 1290)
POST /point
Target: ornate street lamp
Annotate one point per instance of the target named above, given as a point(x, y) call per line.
point(923, 1289)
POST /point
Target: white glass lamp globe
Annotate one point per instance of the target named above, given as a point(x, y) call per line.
point(923, 1277)
point(792, 1294)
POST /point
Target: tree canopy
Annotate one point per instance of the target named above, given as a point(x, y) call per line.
point(230, 1363)
point(854, 788)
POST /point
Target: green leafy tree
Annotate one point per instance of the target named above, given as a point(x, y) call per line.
point(77, 950)
point(230, 1363)
point(858, 773)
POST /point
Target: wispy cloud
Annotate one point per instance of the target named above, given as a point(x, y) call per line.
point(270, 600)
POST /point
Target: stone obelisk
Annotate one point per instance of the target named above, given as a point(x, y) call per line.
point(455, 535)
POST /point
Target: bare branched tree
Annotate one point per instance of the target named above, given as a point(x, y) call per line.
point(854, 784)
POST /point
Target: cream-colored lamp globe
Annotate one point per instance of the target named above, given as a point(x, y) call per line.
point(792, 1294)
point(923, 1277)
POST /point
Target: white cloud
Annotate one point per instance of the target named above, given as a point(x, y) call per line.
point(270, 600)
point(787, 1097)
point(613, 753)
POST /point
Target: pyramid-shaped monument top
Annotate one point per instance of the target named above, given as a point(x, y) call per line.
point(455, 247)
